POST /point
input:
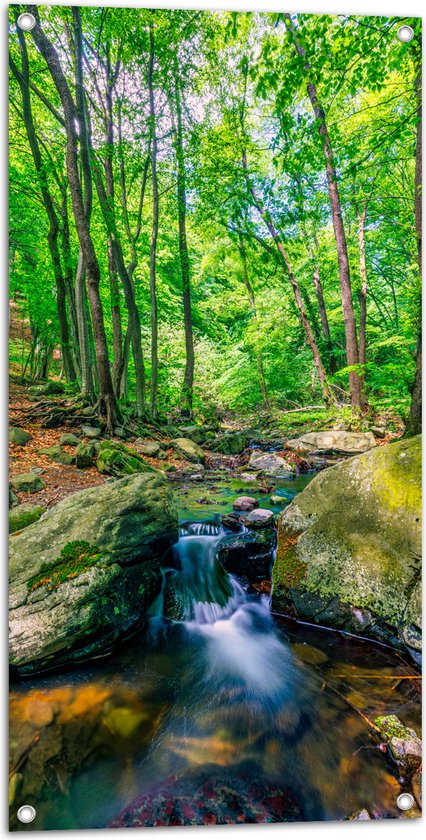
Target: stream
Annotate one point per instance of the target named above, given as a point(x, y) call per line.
point(228, 715)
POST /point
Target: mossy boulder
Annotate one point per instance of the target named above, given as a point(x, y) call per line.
point(348, 551)
point(82, 577)
point(23, 515)
point(46, 389)
point(84, 455)
point(27, 483)
point(334, 442)
point(91, 432)
point(189, 450)
point(116, 459)
point(233, 443)
point(68, 439)
point(57, 455)
point(198, 434)
point(19, 436)
point(404, 744)
point(151, 449)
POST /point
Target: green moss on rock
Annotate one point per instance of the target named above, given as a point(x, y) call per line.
point(23, 515)
point(76, 557)
point(119, 460)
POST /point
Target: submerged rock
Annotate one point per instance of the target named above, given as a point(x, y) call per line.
point(245, 503)
point(116, 459)
point(82, 577)
point(334, 442)
point(269, 463)
point(403, 743)
point(189, 450)
point(19, 436)
point(27, 483)
point(348, 551)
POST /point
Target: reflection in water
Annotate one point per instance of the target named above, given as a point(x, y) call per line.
point(221, 708)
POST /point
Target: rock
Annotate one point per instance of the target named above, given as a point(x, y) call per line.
point(260, 518)
point(47, 389)
point(416, 783)
point(277, 500)
point(189, 450)
point(269, 463)
point(23, 515)
point(85, 453)
point(27, 483)
point(309, 653)
point(37, 470)
point(91, 432)
point(57, 455)
point(196, 477)
point(248, 555)
point(19, 436)
point(69, 439)
point(82, 577)
point(15, 785)
point(348, 553)
point(334, 442)
point(150, 449)
point(248, 477)
point(233, 443)
point(13, 499)
point(89, 411)
point(198, 434)
point(245, 503)
point(232, 521)
point(360, 815)
point(121, 433)
point(117, 459)
point(190, 470)
point(378, 431)
point(403, 743)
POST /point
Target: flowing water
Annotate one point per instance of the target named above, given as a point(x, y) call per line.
point(227, 715)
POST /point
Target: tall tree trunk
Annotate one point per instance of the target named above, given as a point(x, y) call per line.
point(363, 288)
point(415, 422)
point(53, 234)
point(87, 383)
point(154, 235)
point(69, 281)
point(250, 291)
point(316, 277)
point(188, 381)
point(352, 356)
point(106, 400)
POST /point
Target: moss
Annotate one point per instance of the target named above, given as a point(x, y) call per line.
point(21, 519)
point(75, 558)
point(289, 571)
point(391, 727)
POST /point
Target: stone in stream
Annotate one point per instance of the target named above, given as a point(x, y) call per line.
point(260, 518)
point(82, 578)
point(245, 503)
point(27, 483)
point(248, 477)
point(84, 454)
point(334, 442)
point(403, 743)
point(116, 459)
point(248, 555)
point(349, 548)
point(270, 464)
point(233, 443)
point(19, 436)
point(23, 515)
point(57, 455)
point(91, 432)
point(277, 500)
point(68, 439)
point(232, 521)
point(189, 450)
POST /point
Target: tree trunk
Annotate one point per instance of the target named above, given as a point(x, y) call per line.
point(332, 365)
point(363, 289)
point(250, 291)
point(87, 384)
point(352, 357)
point(154, 235)
point(415, 422)
point(106, 400)
point(188, 381)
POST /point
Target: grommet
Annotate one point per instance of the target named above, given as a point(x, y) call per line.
point(26, 813)
point(405, 801)
point(405, 33)
point(26, 21)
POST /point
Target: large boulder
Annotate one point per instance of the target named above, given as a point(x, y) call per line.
point(23, 515)
point(116, 459)
point(46, 389)
point(198, 434)
point(249, 554)
point(189, 450)
point(232, 443)
point(269, 463)
point(333, 443)
point(348, 551)
point(82, 577)
point(19, 436)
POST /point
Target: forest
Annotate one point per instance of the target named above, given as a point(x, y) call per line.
point(216, 214)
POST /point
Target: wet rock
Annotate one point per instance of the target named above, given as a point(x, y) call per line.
point(232, 521)
point(57, 455)
point(403, 743)
point(189, 450)
point(191, 470)
point(360, 815)
point(277, 500)
point(260, 518)
point(334, 442)
point(27, 483)
point(416, 783)
point(196, 477)
point(82, 578)
point(151, 449)
point(233, 443)
point(270, 464)
point(349, 547)
point(248, 555)
point(38, 714)
point(19, 436)
point(69, 439)
point(248, 477)
point(116, 459)
point(85, 453)
point(245, 503)
point(23, 515)
point(91, 432)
